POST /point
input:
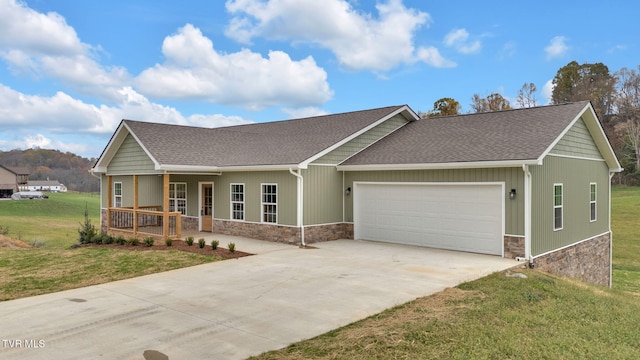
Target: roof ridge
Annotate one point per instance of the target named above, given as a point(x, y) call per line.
point(511, 110)
point(228, 127)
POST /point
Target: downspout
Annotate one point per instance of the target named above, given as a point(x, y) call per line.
point(300, 204)
point(527, 214)
point(611, 174)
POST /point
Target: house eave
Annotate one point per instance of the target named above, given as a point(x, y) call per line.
point(440, 166)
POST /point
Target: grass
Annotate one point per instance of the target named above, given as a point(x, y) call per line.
point(54, 266)
point(499, 317)
point(52, 222)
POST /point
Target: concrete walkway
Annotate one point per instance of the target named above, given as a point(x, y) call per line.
point(236, 308)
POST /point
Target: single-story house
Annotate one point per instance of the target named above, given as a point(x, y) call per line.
point(46, 185)
point(12, 179)
point(531, 184)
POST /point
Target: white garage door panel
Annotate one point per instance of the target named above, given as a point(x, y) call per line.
point(458, 217)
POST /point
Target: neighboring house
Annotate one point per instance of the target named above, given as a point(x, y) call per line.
point(532, 184)
point(46, 185)
point(12, 179)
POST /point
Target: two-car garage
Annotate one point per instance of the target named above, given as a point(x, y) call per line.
point(456, 216)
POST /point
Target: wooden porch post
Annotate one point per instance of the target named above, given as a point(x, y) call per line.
point(135, 205)
point(165, 207)
point(109, 201)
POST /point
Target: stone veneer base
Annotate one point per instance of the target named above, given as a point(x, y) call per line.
point(283, 234)
point(513, 246)
point(588, 261)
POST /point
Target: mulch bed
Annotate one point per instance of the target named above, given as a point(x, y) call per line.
point(179, 245)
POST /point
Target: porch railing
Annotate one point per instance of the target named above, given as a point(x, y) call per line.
point(143, 221)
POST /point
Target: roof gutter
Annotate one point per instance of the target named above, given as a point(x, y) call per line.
point(300, 204)
point(439, 166)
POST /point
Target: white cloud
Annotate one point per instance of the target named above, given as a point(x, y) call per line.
point(30, 120)
point(193, 69)
point(45, 45)
point(304, 112)
point(359, 41)
point(458, 39)
point(547, 91)
point(557, 47)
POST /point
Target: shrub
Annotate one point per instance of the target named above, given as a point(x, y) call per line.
point(168, 241)
point(201, 243)
point(148, 242)
point(86, 231)
point(120, 240)
point(232, 247)
point(214, 244)
point(4, 230)
point(133, 241)
point(189, 240)
point(107, 239)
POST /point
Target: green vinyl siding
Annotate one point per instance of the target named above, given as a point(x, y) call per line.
point(131, 159)
point(513, 178)
point(369, 137)
point(286, 198)
point(323, 194)
point(576, 177)
point(577, 142)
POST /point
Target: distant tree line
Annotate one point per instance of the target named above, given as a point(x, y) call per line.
point(615, 98)
point(69, 169)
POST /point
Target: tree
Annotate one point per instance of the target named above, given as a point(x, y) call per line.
point(444, 107)
point(527, 96)
point(574, 82)
point(627, 104)
point(493, 102)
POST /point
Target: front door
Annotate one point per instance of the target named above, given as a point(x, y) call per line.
point(206, 207)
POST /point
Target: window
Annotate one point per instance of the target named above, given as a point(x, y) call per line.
point(270, 203)
point(592, 201)
point(237, 201)
point(117, 194)
point(178, 197)
point(557, 206)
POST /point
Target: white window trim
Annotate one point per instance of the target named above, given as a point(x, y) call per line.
point(232, 202)
point(175, 199)
point(262, 203)
point(594, 202)
point(561, 207)
point(115, 197)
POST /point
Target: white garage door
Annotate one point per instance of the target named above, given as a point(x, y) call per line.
point(465, 217)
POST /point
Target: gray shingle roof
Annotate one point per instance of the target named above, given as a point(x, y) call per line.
point(271, 143)
point(521, 134)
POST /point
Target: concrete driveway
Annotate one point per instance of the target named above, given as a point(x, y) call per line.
point(236, 308)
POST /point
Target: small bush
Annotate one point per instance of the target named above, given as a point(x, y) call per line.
point(214, 244)
point(148, 242)
point(107, 239)
point(133, 241)
point(4, 230)
point(120, 240)
point(201, 243)
point(232, 247)
point(86, 231)
point(189, 240)
point(97, 239)
point(168, 241)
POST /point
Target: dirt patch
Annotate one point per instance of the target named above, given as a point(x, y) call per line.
point(9, 243)
point(177, 245)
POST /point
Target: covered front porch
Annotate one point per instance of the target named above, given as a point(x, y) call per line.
point(136, 208)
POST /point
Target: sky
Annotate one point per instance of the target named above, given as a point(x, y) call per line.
point(71, 70)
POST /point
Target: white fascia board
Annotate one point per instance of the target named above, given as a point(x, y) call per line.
point(439, 166)
point(404, 108)
point(109, 151)
point(588, 115)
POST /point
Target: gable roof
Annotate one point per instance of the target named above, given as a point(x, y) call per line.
point(17, 170)
point(289, 143)
point(502, 138)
